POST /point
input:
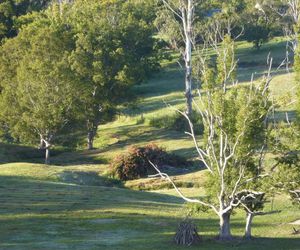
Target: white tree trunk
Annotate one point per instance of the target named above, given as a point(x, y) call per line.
point(187, 23)
point(47, 156)
point(225, 232)
point(47, 152)
point(248, 225)
point(188, 84)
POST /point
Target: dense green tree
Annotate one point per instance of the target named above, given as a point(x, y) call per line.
point(257, 25)
point(38, 88)
point(114, 50)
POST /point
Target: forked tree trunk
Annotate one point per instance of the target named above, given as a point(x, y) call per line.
point(225, 233)
point(249, 219)
point(90, 140)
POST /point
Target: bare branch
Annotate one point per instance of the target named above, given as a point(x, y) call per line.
point(167, 177)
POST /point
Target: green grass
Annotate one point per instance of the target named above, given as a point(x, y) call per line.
point(41, 214)
point(72, 204)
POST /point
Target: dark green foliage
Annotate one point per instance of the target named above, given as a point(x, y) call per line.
point(71, 68)
point(37, 81)
point(114, 49)
point(254, 201)
point(287, 174)
point(10, 10)
point(135, 163)
point(261, 23)
point(258, 34)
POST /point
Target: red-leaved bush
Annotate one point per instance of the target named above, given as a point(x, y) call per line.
point(135, 164)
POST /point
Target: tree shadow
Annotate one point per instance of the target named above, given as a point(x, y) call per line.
point(130, 135)
point(48, 215)
point(285, 116)
point(10, 153)
point(13, 153)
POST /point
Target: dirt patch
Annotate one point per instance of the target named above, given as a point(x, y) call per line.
point(296, 222)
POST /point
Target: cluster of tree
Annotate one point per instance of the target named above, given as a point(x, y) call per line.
point(71, 65)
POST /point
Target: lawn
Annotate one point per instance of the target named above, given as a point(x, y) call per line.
point(73, 204)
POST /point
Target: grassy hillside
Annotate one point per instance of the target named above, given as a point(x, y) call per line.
point(40, 214)
point(72, 204)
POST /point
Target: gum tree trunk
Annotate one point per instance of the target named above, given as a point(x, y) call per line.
point(47, 156)
point(248, 225)
point(187, 24)
point(47, 152)
point(225, 233)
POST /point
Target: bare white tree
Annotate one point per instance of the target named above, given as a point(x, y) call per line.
point(294, 13)
point(219, 156)
point(221, 153)
point(182, 13)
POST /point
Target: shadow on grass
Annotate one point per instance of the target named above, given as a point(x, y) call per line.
point(44, 215)
point(249, 57)
point(285, 116)
point(17, 153)
point(20, 195)
point(89, 178)
point(10, 153)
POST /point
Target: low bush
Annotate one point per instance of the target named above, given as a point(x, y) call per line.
point(135, 164)
point(178, 122)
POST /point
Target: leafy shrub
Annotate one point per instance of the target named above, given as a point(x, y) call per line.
point(135, 164)
point(178, 122)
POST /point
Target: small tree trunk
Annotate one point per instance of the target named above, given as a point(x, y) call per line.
point(47, 153)
point(225, 233)
point(47, 156)
point(248, 225)
point(90, 140)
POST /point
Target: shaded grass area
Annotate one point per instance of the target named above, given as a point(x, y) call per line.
point(15, 153)
point(38, 214)
point(249, 56)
